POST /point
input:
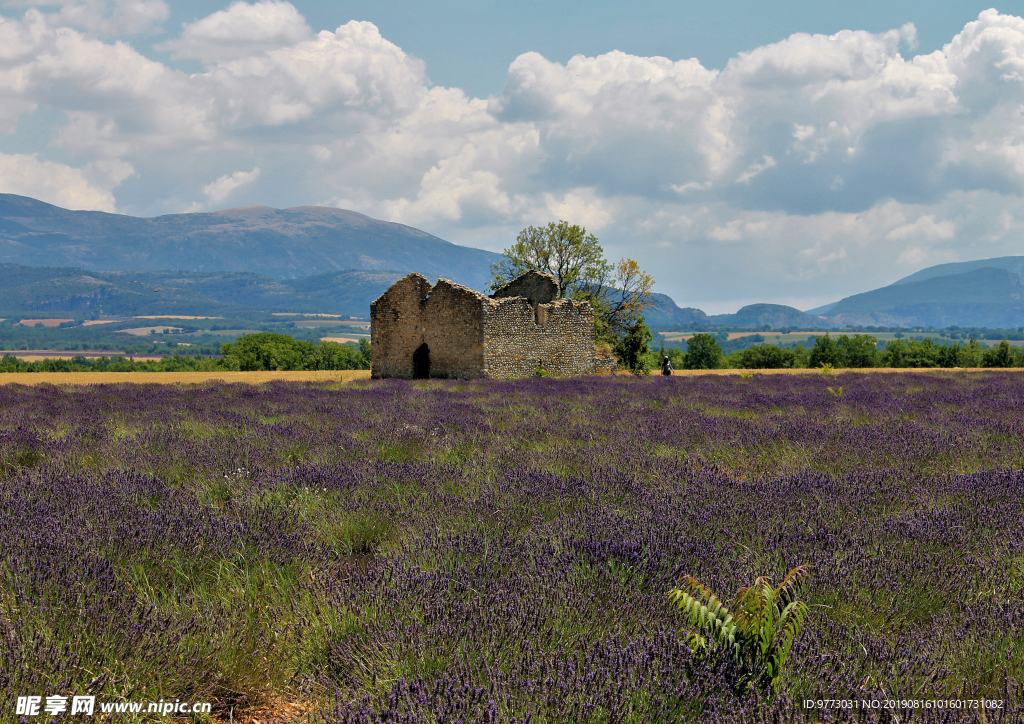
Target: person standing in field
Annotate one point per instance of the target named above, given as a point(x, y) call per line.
point(666, 365)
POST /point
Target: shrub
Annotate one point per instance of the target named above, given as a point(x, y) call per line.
point(757, 627)
point(632, 349)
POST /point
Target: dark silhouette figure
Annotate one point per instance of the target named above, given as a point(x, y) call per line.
point(666, 366)
point(421, 362)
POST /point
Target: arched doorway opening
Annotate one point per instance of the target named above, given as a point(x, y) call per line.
point(421, 362)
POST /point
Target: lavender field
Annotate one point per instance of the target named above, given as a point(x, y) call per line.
point(502, 551)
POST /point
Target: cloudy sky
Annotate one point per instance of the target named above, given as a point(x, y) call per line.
point(789, 152)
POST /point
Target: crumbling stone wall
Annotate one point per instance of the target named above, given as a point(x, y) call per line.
point(536, 286)
point(522, 328)
point(451, 322)
point(396, 326)
point(558, 337)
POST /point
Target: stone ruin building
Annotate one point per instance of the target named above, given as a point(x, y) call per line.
point(448, 330)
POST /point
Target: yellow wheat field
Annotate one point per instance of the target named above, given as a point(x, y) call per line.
point(807, 371)
point(257, 378)
point(177, 378)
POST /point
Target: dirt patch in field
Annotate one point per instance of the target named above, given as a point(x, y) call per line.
point(176, 378)
point(44, 322)
point(280, 711)
point(30, 356)
point(341, 340)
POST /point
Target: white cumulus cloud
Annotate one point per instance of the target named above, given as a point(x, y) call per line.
point(104, 17)
point(240, 31)
point(818, 165)
point(217, 191)
point(58, 184)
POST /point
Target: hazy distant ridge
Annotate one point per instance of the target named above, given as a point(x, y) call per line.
point(79, 293)
point(971, 294)
point(320, 259)
point(1013, 264)
point(281, 243)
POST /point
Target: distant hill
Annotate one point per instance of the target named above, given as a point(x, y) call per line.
point(981, 297)
point(665, 313)
point(280, 243)
point(772, 315)
point(1014, 264)
point(981, 293)
point(822, 310)
point(76, 291)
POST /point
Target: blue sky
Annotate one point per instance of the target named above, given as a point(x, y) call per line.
point(742, 151)
point(470, 43)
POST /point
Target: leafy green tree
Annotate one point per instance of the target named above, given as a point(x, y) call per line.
point(801, 356)
point(969, 355)
point(826, 351)
point(633, 351)
point(1002, 355)
point(757, 627)
point(703, 353)
point(618, 297)
point(337, 356)
point(913, 353)
point(948, 355)
point(763, 357)
point(270, 351)
point(895, 354)
point(618, 293)
point(860, 350)
point(562, 249)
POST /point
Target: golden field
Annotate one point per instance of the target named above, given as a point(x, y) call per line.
point(816, 371)
point(256, 378)
point(177, 378)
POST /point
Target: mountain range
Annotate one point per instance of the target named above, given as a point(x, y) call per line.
point(280, 243)
point(78, 292)
point(318, 259)
point(983, 293)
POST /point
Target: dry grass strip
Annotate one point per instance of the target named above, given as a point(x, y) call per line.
point(257, 378)
point(809, 371)
point(175, 378)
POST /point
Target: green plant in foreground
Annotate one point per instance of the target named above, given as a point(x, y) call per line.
point(758, 626)
point(836, 391)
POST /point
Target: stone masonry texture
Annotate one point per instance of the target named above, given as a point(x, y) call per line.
point(522, 328)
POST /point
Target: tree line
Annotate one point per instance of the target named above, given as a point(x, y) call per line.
point(845, 351)
point(249, 353)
